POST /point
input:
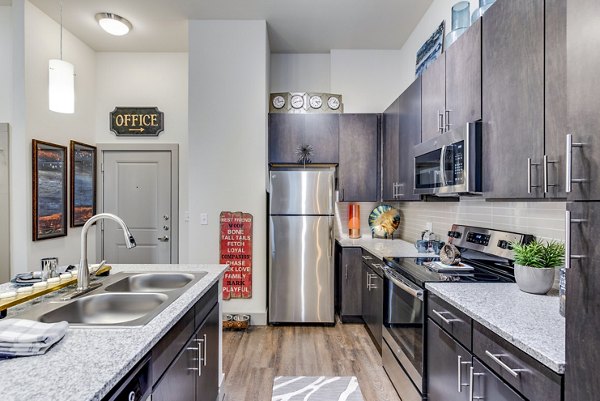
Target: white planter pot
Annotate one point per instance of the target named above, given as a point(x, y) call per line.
point(534, 280)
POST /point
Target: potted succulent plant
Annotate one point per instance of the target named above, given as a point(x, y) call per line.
point(536, 263)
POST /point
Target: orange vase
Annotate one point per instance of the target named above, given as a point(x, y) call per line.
point(354, 221)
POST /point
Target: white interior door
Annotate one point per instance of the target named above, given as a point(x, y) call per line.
point(137, 187)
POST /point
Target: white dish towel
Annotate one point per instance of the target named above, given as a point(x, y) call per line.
point(20, 337)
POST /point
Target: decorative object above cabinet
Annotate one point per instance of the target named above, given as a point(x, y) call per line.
point(301, 102)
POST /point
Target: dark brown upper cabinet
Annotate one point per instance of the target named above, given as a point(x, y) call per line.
point(513, 99)
point(410, 135)
point(390, 129)
point(583, 98)
point(289, 132)
point(434, 98)
point(358, 172)
point(463, 79)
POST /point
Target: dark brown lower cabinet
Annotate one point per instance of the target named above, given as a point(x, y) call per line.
point(488, 386)
point(372, 298)
point(207, 337)
point(179, 381)
point(349, 279)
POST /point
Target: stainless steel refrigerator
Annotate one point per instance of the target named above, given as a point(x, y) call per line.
point(301, 280)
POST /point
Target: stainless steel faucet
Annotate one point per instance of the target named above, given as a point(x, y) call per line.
point(83, 274)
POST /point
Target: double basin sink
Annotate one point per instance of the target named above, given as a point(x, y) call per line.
point(123, 300)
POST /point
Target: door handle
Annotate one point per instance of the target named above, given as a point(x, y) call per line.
point(164, 238)
point(546, 184)
point(529, 184)
point(568, 255)
point(569, 164)
point(472, 375)
point(447, 124)
point(496, 358)
point(201, 347)
point(460, 365)
point(440, 117)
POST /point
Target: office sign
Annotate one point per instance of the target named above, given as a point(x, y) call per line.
point(236, 251)
point(137, 121)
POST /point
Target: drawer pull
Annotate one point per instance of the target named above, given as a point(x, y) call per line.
point(460, 365)
point(367, 258)
point(444, 319)
point(496, 358)
point(472, 375)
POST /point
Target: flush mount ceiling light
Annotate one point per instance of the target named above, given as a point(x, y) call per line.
point(61, 81)
point(113, 24)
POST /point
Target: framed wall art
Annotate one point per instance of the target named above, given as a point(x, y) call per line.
point(49, 190)
point(83, 183)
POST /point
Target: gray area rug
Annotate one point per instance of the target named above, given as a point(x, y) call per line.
point(316, 388)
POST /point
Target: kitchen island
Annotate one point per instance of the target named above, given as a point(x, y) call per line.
point(89, 362)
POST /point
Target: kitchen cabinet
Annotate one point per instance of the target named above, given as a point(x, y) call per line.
point(179, 381)
point(463, 79)
point(513, 99)
point(372, 297)
point(488, 386)
point(583, 98)
point(434, 98)
point(349, 268)
point(391, 147)
point(358, 172)
point(410, 135)
point(207, 341)
point(288, 132)
point(583, 301)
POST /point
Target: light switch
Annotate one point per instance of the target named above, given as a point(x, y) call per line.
point(203, 219)
point(187, 217)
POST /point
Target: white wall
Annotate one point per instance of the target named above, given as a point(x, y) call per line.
point(38, 35)
point(148, 79)
point(228, 81)
point(6, 64)
point(300, 73)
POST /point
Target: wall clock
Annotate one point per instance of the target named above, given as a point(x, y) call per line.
point(315, 102)
point(297, 101)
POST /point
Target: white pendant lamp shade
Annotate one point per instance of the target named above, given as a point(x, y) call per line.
point(113, 24)
point(61, 87)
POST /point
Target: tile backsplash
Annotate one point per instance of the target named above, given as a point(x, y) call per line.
point(545, 220)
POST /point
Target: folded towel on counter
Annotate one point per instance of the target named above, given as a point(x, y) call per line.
point(20, 337)
point(27, 279)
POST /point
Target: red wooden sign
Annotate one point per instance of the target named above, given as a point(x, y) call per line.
point(236, 251)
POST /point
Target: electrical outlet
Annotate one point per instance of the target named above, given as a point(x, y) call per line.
point(429, 226)
point(187, 216)
point(204, 219)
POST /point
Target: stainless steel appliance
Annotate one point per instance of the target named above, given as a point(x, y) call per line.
point(450, 164)
point(301, 269)
point(404, 349)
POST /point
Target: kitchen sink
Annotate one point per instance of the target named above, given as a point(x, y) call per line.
point(123, 300)
point(106, 309)
point(152, 282)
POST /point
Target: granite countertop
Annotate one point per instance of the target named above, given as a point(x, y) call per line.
point(530, 322)
point(391, 248)
point(87, 363)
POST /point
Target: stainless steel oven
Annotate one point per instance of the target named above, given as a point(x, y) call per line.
point(403, 325)
point(450, 164)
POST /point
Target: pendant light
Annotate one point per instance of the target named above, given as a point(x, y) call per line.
point(61, 81)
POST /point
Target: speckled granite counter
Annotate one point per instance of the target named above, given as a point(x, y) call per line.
point(381, 248)
point(530, 322)
point(87, 363)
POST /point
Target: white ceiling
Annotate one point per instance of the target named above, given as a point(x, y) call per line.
point(295, 26)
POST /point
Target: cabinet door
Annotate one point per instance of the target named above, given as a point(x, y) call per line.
point(463, 79)
point(322, 133)
point(391, 149)
point(583, 95)
point(351, 282)
point(179, 381)
point(410, 135)
point(513, 98)
point(358, 174)
point(207, 338)
point(448, 365)
point(377, 309)
point(556, 101)
point(434, 98)
point(583, 304)
point(488, 386)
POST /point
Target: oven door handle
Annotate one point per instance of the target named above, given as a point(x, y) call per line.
point(417, 293)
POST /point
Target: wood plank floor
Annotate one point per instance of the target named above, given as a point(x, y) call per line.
point(253, 358)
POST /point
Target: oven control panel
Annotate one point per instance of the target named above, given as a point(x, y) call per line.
point(478, 238)
point(494, 242)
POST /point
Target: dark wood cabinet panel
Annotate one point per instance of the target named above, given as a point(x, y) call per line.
point(583, 304)
point(513, 98)
point(358, 172)
point(207, 383)
point(350, 279)
point(179, 381)
point(391, 149)
point(446, 360)
point(410, 135)
point(463, 78)
point(460, 324)
point(555, 113)
point(287, 132)
point(434, 98)
point(583, 95)
point(372, 304)
point(488, 386)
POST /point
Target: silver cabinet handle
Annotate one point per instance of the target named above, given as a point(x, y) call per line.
point(546, 179)
point(496, 358)
point(568, 222)
point(164, 238)
point(367, 257)
point(460, 365)
point(205, 354)
point(193, 349)
point(444, 319)
point(529, 164)
point(472, 375)
point(569, 164)
point(371, 285)
point(342, 191)
point(440, 117)
point(200, 359)
point(447, 124)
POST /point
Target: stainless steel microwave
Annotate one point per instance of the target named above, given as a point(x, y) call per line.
point(450, 164)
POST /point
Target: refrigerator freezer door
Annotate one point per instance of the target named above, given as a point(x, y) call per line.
point(302, 192)
point(301, 269)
